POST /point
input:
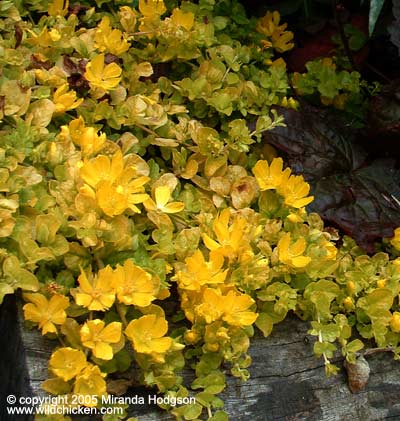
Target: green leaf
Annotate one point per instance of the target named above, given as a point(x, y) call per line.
point(123, 360)
point(205, 398)
point(330, 332)
point(192, 411)
point(354, 346)
point(71, 329)
point(326, 348)
point(214, 388)
point(215, 378)
point(19, 277)
point(219, 416)
point(264, 323)
point(222, 102)
point(56, 386)
point(331, 369)
point(374, 12)
point(376, 303)
point(4, 290)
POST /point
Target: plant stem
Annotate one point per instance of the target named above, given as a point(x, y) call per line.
point(326, 360)
point(144, 128)
point(345, 41)
point(61, 340)
point(121, 314)
point(99, 262)
point(378, 350)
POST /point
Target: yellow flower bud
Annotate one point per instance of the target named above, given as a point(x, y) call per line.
point(222, 333)
point(294, 217)
point(54, 155)
point(212, 347)
point(348, 303)
point(395, 322)
point(292, 103)
point(191, 337)
point(381, 283)
point(128, 18)
point(54, 35)
point(396, 263)
point(325, 100)
point(163, 294)
point(351, 286)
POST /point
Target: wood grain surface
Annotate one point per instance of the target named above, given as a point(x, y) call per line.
point(287, 381)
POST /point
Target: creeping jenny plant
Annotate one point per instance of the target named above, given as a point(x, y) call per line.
point(129, 174)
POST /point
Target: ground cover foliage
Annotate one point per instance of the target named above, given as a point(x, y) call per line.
point(134, 175)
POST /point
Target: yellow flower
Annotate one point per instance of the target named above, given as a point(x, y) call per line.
point(128, 18)
point(291, 254)
point(102, 168)
point(114, 186)
point(111, 199)
point(331, 250)
point(67, 363)
point(282, 42)
point(395, 322)
point(98, 337)
point(110, 40)
point(90, 382)
point(85, 137)
point(91, 142)
point(396, 264)
point(269, 26)
point(190, 300)
point(236, 309)
point(292, 187)
point(96, 293)
point(270, 177)
point(47, 313)
point(44, 39)
point(58, 8)
point(269, 23)
point(279, 62)
point(295, 190)
point(150, 8)
point(74, 130)
point(147, 334)
point(102, 76)
point(179, 18)
point(162, 196)
point(151, 11)
point(114, 199)
point(136, 286)
point(198, 272)
point(395, 240)
point(65, 100)
point(233, 308)
point(232, 242)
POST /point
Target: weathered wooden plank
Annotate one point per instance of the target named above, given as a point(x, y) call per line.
point(13, 373)
point(287, 382)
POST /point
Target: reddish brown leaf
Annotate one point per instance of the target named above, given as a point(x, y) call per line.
point(18, 35)
point(358, 196)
